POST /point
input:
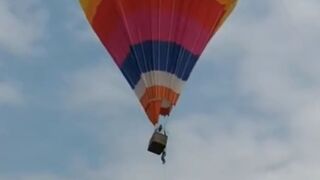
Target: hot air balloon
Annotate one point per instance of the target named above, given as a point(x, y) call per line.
point(156, 44)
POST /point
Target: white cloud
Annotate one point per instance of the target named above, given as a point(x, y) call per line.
point(100, 88)
point(78, 26)
point(32, 177)
point(199, 148)
point(10, 94)
point(278, 67)
point(278, 56)
point(22, 26)
point(202, 147)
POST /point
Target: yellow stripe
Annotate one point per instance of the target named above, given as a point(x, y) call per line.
point(84, 4)
point(226, 2)
point(90, 8)
point(229, 6)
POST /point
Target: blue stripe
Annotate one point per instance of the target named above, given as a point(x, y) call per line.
point(157, 56)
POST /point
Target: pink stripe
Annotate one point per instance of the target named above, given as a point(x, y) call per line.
point(166, 26)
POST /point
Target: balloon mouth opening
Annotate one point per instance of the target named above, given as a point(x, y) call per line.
point(158, 101)
point(157, 108)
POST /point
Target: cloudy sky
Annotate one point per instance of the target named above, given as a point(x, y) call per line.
point(67, 113)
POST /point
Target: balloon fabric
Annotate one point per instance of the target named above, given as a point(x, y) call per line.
point(156, 43)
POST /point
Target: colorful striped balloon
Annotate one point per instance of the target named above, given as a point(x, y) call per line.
point(156, 43)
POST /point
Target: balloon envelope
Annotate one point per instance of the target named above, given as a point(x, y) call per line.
point(156, 43)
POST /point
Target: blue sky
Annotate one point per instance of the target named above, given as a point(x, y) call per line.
point(249, 111)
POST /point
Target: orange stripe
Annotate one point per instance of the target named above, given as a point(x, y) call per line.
point(156, 93)
point(153, 111)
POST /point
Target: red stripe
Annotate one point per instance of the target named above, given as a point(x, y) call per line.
point(154, 25)
point(183, 31)
point(109, 11)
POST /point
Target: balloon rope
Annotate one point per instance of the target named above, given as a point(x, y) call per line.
point(146, 65)
point(125, 21)
point(172, 34)
point(152, 48)
point(197, 41)
point(180, 36)
point(172, 21)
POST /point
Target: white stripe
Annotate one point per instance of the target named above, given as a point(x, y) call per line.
point(163, 79)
